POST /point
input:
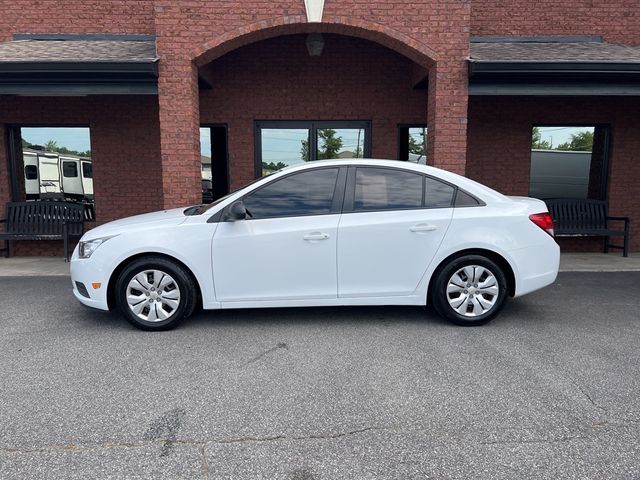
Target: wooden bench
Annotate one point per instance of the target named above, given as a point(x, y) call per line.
point(43, 221)
point(578, 217)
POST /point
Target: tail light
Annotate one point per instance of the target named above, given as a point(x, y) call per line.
point(544, 221)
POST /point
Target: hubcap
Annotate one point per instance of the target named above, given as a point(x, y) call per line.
point(472, 291)
point(153, 295)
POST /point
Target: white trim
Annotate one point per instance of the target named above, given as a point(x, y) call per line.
point(314, 10)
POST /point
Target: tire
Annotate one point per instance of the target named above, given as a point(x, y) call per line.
point(166, 291)
point(454, 294)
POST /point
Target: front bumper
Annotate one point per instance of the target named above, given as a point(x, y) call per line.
point(89, 271)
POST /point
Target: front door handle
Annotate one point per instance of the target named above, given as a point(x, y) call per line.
point(423, 227)
point(315, 236)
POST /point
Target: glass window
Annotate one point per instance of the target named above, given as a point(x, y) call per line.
point(56, 153)
point(30, 172)
point(463, 199)
point(568, 162)
point(305, 193)
point(437, 194)
point(412, 145)
point(70, 169)
point(284, 143)
point(387, 189)
point(340, 143)
point(87, 170)
point(282, 147)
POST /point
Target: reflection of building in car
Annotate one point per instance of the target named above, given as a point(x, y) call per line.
point(50, 175)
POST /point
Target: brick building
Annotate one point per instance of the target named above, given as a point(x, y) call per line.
point(148, 77)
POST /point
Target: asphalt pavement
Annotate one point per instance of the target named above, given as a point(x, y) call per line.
point(548, 390)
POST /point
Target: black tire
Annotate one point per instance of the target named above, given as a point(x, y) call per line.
point(181, 279)
point(440, 297)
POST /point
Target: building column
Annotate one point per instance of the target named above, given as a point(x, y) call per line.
point(179, 132)
point(447, 115)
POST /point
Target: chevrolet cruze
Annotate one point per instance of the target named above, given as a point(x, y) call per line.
point(336, 232)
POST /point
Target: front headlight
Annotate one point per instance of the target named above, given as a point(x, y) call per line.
point(86, 249)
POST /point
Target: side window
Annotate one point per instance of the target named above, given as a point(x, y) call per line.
point(463, 199)
point(387, 189)
point(87, 170)
point(437, 194)
point(305, 193)
point(70, 169)
point(30, 172)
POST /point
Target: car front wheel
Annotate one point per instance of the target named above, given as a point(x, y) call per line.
point(155, 293)
point(470, 290)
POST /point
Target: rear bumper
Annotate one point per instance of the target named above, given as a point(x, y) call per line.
point(537, 266)
point(89, 272)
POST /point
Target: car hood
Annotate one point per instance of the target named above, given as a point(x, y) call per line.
point(174, 216)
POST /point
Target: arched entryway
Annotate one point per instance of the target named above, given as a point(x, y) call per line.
point(364, 84)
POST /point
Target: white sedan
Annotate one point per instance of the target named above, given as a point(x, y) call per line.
point(336, 232)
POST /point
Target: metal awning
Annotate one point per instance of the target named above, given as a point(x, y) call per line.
point(552, 66)
point(79, 65)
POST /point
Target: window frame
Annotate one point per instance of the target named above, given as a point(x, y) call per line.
point(336, 201)
point(313, 126)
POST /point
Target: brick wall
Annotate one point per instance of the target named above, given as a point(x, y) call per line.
point(354, 79)
point(618, 21)
point(74, 16)
point(433, 30)
point(125, 148)
point(499, 142)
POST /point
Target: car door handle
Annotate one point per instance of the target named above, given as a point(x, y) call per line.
point(315, 236)
point(423, 227)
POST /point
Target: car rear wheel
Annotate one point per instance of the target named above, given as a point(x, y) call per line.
point(154, 293)
point(470, 290)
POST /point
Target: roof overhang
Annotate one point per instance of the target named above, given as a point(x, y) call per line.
point(539, 66)
point(78, 66)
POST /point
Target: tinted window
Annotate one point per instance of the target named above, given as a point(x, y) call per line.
point(70, 169)
point(87, 170)
point(30, 172)
point(387, 189)
point(463, 199)
point(437, 194)
point(306, 193)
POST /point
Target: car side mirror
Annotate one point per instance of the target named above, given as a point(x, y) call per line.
point(236, 211)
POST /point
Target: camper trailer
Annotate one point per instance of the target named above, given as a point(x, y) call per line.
point(51, 176)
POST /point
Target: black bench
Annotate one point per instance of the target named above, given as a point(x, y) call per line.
point(574, 217)
point(43, 221)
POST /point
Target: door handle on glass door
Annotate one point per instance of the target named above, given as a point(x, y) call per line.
point(315, 236)
point(423, 227)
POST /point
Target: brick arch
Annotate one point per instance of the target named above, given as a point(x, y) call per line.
point(297, 24)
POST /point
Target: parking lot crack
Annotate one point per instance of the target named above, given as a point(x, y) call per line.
point(278, 346)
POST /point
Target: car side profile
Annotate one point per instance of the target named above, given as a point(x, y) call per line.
point(333, 232)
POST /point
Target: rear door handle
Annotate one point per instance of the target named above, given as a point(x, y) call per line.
point(423, 227)
point(315, 236)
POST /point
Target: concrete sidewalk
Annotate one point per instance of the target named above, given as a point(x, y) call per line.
point(569, 262)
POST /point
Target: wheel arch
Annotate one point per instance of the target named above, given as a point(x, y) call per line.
point(111, 287)
point(502, 262)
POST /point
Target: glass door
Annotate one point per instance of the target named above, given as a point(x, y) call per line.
point(283, 143)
